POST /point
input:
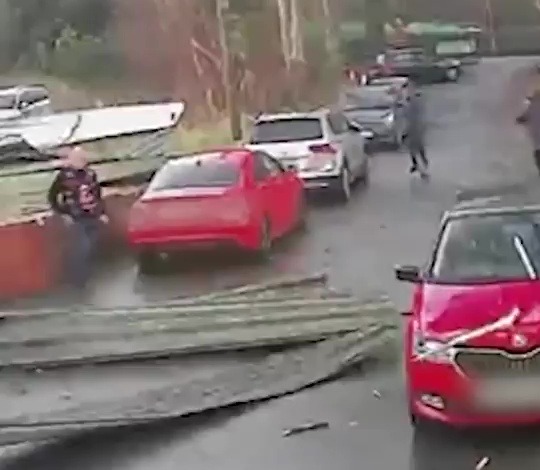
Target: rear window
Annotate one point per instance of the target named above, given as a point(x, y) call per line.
point(196, 172)
point(287, 130)
point(369, 98)
point(405, 57)
point(8, 101)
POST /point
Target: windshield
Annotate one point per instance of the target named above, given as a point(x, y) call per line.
point(195, 172)
point(287, 130)
point(488, 248)
point(365, 99)
point(8, 101)
point(461, 46)
point(405, 57)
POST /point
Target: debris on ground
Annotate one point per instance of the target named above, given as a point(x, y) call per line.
point(297, 311)
point(482, 463)
point(321, 333)
point(377, 394)
point(305, 427)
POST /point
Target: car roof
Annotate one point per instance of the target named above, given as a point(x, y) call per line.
point(316, 114)
point(509, 199)
point(232, 155)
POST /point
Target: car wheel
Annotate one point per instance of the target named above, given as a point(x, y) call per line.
point(343, 186)
point(147, 262)
point(304, 214)
point(265, 241)
point(452, 74)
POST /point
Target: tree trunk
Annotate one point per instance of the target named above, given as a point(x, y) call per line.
point(283, 12)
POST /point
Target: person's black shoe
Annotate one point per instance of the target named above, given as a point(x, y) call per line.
point(413, 168)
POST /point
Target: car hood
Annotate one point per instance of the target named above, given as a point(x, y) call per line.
point(448, 310)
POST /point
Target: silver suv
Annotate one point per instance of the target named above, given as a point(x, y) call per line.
point(24, 101)
point(326, 149)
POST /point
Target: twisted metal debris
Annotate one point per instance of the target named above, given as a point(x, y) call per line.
point(294, 312)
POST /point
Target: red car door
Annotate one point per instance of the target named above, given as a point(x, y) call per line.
point(284, 195)
point(266, 192)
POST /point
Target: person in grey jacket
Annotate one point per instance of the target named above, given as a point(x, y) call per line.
point(416, 133)
point(531, 118)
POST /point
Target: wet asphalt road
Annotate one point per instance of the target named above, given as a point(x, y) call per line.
point(472, 140)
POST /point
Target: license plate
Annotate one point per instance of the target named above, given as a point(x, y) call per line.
point(179, 212)
point(509, 394)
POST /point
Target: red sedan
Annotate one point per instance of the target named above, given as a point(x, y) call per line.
point(228, 198)
point(472, 343)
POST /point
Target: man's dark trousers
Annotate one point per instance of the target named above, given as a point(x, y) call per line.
point(84, 237)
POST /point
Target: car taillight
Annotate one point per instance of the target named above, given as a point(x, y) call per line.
point(319, 149)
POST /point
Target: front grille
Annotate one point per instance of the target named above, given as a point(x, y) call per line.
point(490, 364)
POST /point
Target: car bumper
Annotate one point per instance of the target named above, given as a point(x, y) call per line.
point(319, 181)
point(242, 238)
point(438, 392)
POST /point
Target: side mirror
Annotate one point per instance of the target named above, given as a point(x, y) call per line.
point(407, 273)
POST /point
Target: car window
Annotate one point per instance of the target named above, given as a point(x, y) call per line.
point(406, 57)
point(30, 97)
point(286, 130)
point(369, 98)
point(207, 170)
point(486, 248)
point(8, 101)
point(337, 123)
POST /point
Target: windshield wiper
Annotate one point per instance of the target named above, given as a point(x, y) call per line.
point(524, 257)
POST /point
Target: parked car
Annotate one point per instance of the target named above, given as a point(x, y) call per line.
point(380, 109)
point(326, 149)
point(419, 67)
point(461, 369)
point(229, 198)
point(24, 101)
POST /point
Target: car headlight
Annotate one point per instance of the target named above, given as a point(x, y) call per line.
point(431, 350)
point(389, 120)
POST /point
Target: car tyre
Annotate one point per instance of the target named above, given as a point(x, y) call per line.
point(452, 74)
point(343, 188)
point(303, 221)
point(147, 262)
point(265, 243)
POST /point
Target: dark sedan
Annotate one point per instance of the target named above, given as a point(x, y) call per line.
point(416, 65)
point(379, 109)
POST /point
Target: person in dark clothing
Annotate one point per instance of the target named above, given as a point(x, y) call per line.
point(415, 137)
point(531, 118)
point(75, 194)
